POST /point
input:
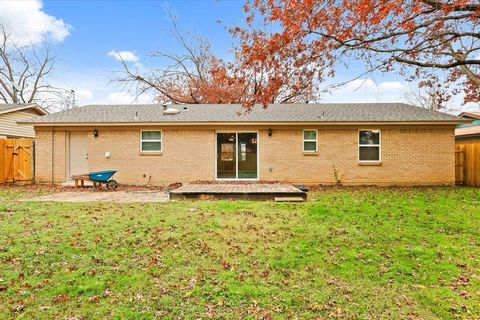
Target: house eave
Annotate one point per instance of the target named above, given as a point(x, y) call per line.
point(36, 107)
point(472, 135)
point(469, 114)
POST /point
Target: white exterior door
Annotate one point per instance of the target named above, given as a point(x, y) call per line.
point(78, 152)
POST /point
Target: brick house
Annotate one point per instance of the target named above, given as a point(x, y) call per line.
point(380, 143)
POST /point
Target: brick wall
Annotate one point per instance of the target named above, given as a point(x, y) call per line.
point(409, 156)
point(187, 155)
point(50, 163)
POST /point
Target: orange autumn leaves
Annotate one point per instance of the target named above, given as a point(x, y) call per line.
point(289, 50)
point(421, 40)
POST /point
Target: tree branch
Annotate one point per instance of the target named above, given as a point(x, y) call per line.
point(437, 5)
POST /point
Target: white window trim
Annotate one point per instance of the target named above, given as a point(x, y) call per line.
point(236, 156)
point(157, 140)
point(310, 140)
point(379, 145)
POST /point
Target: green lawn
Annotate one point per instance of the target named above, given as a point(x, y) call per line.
point(355, 253)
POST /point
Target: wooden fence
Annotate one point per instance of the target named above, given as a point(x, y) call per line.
point(16, 163)
point(467, 164)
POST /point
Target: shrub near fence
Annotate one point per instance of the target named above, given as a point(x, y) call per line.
point(467, 164)
point(16, 161)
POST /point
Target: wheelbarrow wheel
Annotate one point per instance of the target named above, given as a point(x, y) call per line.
point(112, 185)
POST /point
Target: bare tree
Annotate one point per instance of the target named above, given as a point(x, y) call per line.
point(428, 99)
point(196, 75)
point(24, 71)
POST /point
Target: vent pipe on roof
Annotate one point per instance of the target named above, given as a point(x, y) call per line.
point(165, 107)
point(171, 110)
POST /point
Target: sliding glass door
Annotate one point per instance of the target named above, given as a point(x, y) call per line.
point(237, 155)
point(247, 155)
point(226, 156)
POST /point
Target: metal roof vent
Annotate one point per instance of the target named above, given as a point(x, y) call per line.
point(170, 110)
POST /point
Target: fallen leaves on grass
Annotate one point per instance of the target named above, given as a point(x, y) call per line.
point(18, 307)
point(320, 259)
point(226, 265)
point(107, 293)
point(94, 299)
point(75, 317)
point(61, 298)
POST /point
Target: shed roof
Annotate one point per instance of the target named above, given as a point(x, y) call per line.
point(467, 132)
point(471, 114)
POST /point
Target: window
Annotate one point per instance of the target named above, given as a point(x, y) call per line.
point(151, 141)
point(309, 140)
point(369, 145)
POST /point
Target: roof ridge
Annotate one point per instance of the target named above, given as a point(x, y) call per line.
point(279, 113)
point(239, 104)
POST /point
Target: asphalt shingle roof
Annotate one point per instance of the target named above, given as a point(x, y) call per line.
point(12, 106)
point(330, 112)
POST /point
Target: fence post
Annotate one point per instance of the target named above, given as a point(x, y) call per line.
point(459, 164)
point(32, 154)
point(2, 160)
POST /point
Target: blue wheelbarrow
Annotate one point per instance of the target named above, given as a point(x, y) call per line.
point(98, 178)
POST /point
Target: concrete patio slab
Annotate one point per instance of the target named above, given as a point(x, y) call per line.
point(118, 197)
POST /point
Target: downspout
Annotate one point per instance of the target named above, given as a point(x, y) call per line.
point(65, 155)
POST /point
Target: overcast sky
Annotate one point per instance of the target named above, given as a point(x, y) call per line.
point(87, 37)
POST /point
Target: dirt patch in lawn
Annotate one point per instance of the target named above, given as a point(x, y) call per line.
point(116, 197)
point(57, 193)
point(51, 188)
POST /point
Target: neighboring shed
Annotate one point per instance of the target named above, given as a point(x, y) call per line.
point(10, 114)
point(468, 132)
point(467, 141)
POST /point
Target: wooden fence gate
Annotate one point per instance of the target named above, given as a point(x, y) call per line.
point(16, 163)
point(467, 164)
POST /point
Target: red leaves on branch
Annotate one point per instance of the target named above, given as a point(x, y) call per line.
point(420, 39)
point(197, 76)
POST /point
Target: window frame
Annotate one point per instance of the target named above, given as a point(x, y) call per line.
point(236, 132)
point(156, 140)
point(379, 145)
point(310, 140)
